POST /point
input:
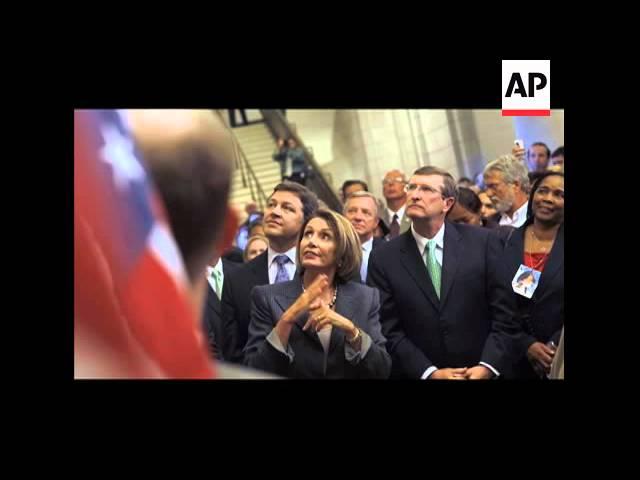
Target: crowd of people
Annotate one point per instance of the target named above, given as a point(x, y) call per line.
point(453, 280)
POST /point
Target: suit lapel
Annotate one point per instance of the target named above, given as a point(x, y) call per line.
point(413, 263)
point(554, 264)
point(514, 254)
point(450, 260)
point(212, 300)
point(260, 269)
point(346, 305)
point(406, 222)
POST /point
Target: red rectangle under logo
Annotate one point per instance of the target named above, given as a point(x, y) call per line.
point(526, 113)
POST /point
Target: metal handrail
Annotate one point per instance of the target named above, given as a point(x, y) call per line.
point(245, 168)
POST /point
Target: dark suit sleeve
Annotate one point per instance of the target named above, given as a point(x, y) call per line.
point(502, 343)
point(259, 353)
point(377, 361)
point(210, 331)
point(410, 358)
point(227, 343)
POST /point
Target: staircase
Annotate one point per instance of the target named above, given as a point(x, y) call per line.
point(258, 146)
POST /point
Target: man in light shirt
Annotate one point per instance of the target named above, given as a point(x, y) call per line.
point(288, 207)
point(361, 209)
point(507, 184)
point(212, 316)
point(442, 310)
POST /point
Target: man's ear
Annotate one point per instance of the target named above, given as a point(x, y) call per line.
point(448, 203)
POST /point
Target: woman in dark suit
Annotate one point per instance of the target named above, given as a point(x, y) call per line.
point(538, 245)
point(319, 325)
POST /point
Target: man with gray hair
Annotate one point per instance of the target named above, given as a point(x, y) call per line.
point(361, 209)
point(393, 190)
point(507, 184)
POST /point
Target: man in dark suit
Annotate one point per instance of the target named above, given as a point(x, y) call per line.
point(361, 209)
point(288, 207)
point(217, 270)
point(440, 303)
point(194, 188)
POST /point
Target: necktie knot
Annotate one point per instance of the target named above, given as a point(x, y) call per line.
point(281, 260)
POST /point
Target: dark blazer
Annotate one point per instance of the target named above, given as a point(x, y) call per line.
point(212, 315)
point(355, 301)
point(234, 255)
point(540, 318)
point(468, 324)
point(235, 305)
point(377, 242)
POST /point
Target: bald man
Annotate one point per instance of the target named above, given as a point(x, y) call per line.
point(393, 190)
point(189, 154)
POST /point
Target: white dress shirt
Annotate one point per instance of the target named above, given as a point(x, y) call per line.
point(422, 243)
point(399, 213)
point(518, 219)
point(366, 252)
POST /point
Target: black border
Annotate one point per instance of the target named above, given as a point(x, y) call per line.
point(346, 83)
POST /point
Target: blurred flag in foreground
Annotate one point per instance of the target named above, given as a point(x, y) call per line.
point(132, 315)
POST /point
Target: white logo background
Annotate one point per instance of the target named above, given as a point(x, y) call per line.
point(542, 98)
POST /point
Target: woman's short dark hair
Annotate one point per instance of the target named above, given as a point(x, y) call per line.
point(536, 185)
point(469, 200)
point(348, 247)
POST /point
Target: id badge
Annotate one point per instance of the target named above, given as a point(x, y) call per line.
point(525, 281)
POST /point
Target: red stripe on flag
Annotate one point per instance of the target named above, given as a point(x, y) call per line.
point(526, 113)
point(163, 323)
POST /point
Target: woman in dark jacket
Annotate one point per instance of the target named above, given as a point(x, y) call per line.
point(537, 246)
point(320, 324)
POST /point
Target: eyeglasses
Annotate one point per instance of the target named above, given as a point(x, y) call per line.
point(411, 187)
point(390, 181)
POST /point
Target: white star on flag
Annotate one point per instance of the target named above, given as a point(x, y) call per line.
point(118, 152)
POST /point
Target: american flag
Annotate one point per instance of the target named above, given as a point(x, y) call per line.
point(130, 284)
